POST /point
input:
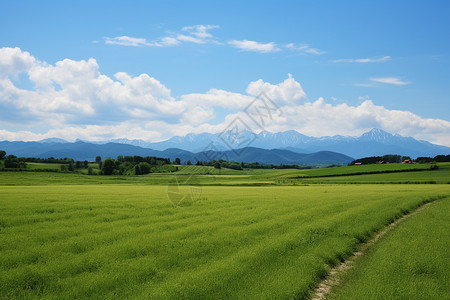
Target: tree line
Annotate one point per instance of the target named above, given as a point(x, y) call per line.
point(390, 158)
point(218, 164)
point(135, 165)
point(122, 165)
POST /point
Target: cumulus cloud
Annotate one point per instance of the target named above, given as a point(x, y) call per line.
point(253, 46)
point(363, 60)
point(390, 80)
point(87, 133)
point(198, 115)
point(217, 98)
point(319, 118)
point(72, 90)
point(72, 99)
point(288, 92)
point(14, 61)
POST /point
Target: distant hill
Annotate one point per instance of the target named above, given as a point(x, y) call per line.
point(375, 142)
point(277, 156)
point(88, 151)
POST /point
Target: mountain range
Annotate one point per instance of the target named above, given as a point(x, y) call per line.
point(375, 142)
point(88, 151)
point(289, 147)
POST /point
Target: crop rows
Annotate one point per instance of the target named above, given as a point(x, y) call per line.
point(239, 242)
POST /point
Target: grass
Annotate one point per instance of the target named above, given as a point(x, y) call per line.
point(251, 234)
point(42, 166)
point(442, 176)
point(116, 241)
point(362, 169)
point(412, 262)
point(211, 176)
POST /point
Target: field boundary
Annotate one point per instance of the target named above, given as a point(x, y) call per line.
point(334, 276)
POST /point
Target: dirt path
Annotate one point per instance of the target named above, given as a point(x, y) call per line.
point(332, 279)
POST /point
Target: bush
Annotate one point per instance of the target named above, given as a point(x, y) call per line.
point(12, 162)
point(144, 168)
point(108, 166)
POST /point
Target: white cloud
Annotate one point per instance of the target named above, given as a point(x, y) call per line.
point(363, 60)
point(198, 34)
point(127, 41)
point(71, 91)
point(72, 99)
point(141, 42)
point(255, 46)
point(86, 133)
point(390, 80)
point(14, 61)
point(289, 91)
point(200, 31)
point(217, 98)
point(168, 41)
point(304, 48)
point(198, 115)
point(365, 84)
point(320, 118)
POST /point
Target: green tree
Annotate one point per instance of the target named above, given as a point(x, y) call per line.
point(90, 172)
point(177, 161)
point(442, 158)
point(108, 166)
point(2, 154)
point(11, 161)
point(424, 159)
point(125, 166)
point(188, 163)
point(217, 165)
point(98, 160)
point(144, 168)
point(137, 171)
point(391, 158)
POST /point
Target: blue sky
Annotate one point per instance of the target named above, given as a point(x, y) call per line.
point(380, 63)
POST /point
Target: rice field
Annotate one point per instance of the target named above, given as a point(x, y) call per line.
point(97, 240)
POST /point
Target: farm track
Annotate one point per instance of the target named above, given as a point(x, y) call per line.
point(333, 278)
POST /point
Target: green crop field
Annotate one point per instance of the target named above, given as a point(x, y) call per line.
point(362, 169)
point(262, 233)
point(42, 166)
point(410, 263)
point(104, 241)
point(395, 173)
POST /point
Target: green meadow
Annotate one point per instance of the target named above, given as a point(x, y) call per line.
point(239, 234)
